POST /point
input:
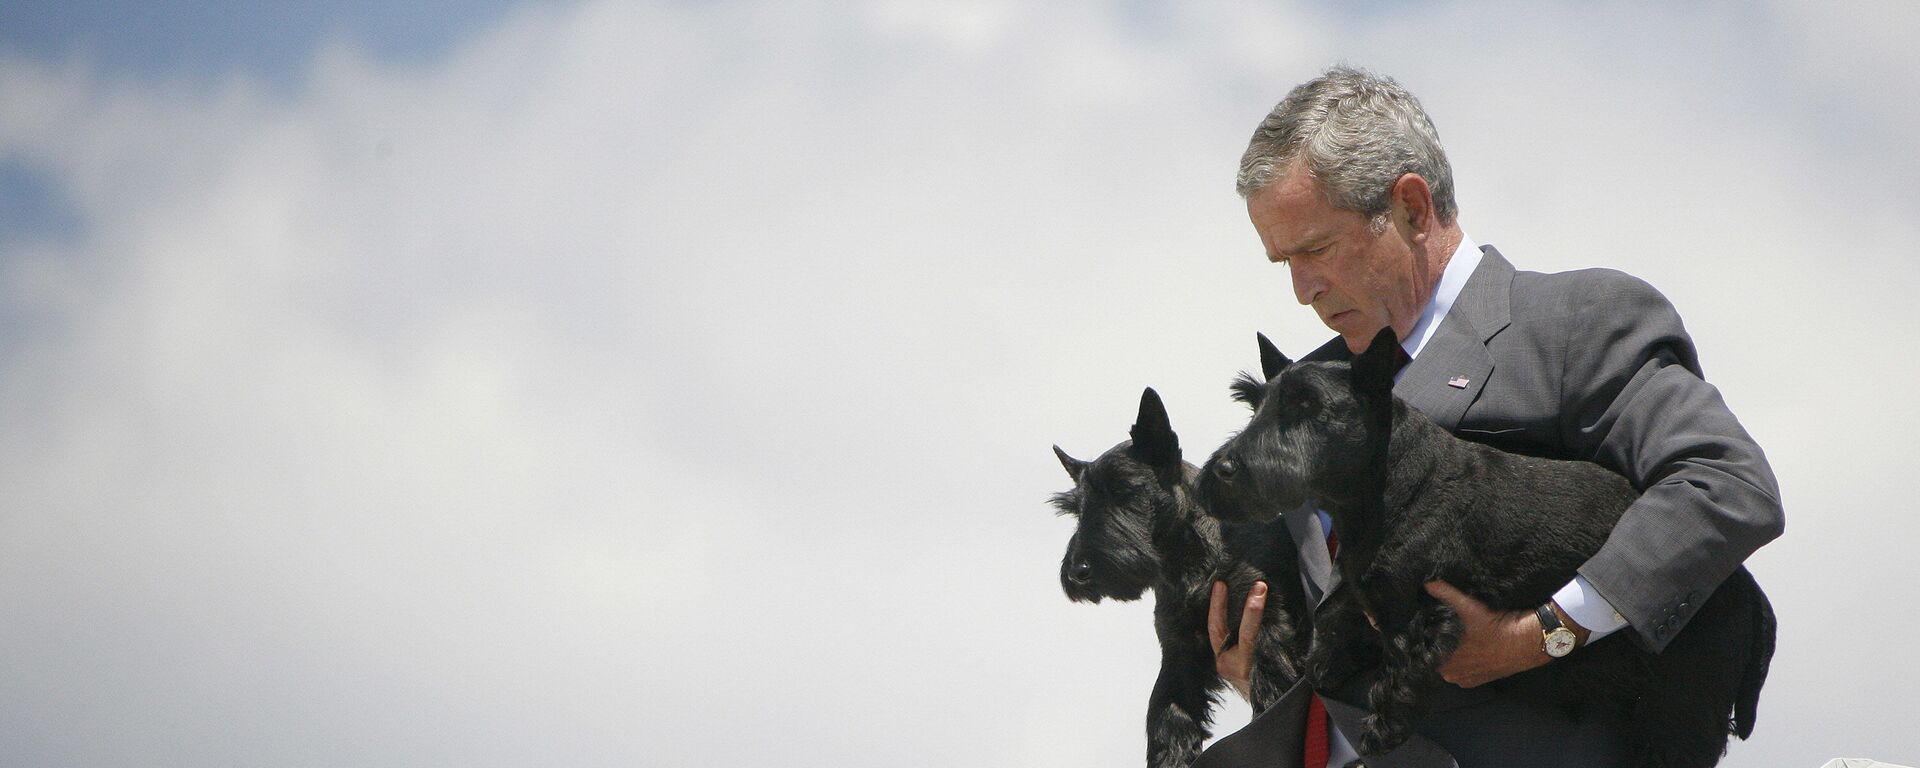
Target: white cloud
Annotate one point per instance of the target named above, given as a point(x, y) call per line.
point(674, 384)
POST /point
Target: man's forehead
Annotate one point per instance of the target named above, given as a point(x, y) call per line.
point(1293, 237)
point(1294, 213)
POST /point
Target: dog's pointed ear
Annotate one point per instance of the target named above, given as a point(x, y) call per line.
point(1271, 361)
point(1074, 466)
point(1153, 438)
point(1247, 390)
point(1374, 368)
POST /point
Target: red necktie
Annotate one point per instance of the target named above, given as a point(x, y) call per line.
point(1316, 750)
point(1315, 753)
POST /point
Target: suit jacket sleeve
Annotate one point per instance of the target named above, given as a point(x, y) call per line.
point(1633, 399)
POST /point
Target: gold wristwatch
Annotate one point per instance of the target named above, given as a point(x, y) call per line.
point(1556, 640)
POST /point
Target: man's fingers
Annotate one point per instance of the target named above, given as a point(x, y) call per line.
point(1465, 606)
point(1494, 644)
point(1250, 617)
point(1217, 616)
point(1445, 593)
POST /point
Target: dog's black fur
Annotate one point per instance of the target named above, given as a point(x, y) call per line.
point(1412, 503)
point(1139, 529)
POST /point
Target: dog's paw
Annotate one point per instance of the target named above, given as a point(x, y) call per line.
point(1174, 739)
point(1380, 735)
point(1333, 659)
point(1267, 687)
point(1320, 663)
point(1179, 753)
point(1316, 660)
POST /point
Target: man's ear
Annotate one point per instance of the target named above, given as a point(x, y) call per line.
point(1271, 361)
point(1074, 466)
point(1412, 198)
point(1374, 368)
point(1153, 439)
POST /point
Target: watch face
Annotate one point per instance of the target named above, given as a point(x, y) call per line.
point(1560, 642)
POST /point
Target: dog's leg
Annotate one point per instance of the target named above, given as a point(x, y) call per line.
point(1276, 661)
point(1344, 642)
point(1181, 709)
point(1417, 643)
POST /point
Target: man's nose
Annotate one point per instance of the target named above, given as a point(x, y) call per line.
point(1307, 285)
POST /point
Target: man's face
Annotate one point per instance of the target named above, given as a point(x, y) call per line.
point(1357, 280)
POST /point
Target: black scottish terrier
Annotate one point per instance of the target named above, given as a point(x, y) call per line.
point(1412, 503)
point(1139, 529)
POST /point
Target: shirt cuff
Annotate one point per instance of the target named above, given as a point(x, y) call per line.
point(1586, 607)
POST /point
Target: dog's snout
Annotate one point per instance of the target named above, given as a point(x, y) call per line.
point(1081, 572)
point(1225, 468)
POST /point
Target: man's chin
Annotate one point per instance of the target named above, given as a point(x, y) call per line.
point(1348, 325)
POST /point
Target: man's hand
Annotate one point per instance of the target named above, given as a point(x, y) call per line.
point(1494, 645)
point(1236, 664)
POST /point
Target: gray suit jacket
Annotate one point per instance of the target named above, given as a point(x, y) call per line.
point(1592, 365)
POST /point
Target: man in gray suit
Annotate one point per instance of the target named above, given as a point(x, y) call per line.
point(1348, 186)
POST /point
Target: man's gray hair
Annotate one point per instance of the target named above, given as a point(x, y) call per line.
point(1357, 132)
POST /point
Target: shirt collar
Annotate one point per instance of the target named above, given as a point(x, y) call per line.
point(1453, 280)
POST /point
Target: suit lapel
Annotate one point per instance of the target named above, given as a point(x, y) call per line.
point(1454, 366)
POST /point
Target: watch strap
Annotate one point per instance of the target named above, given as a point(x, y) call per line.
point(1549, 621)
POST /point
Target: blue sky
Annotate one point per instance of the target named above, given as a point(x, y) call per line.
point(506, 385)
point(200, 39)
point(207, 42)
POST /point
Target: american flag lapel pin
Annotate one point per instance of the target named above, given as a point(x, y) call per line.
point(1458, 382)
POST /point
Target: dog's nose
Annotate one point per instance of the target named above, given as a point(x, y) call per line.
point(1225, 467)
point(1081, 572)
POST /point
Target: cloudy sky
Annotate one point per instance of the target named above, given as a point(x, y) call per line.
point(671, 383)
